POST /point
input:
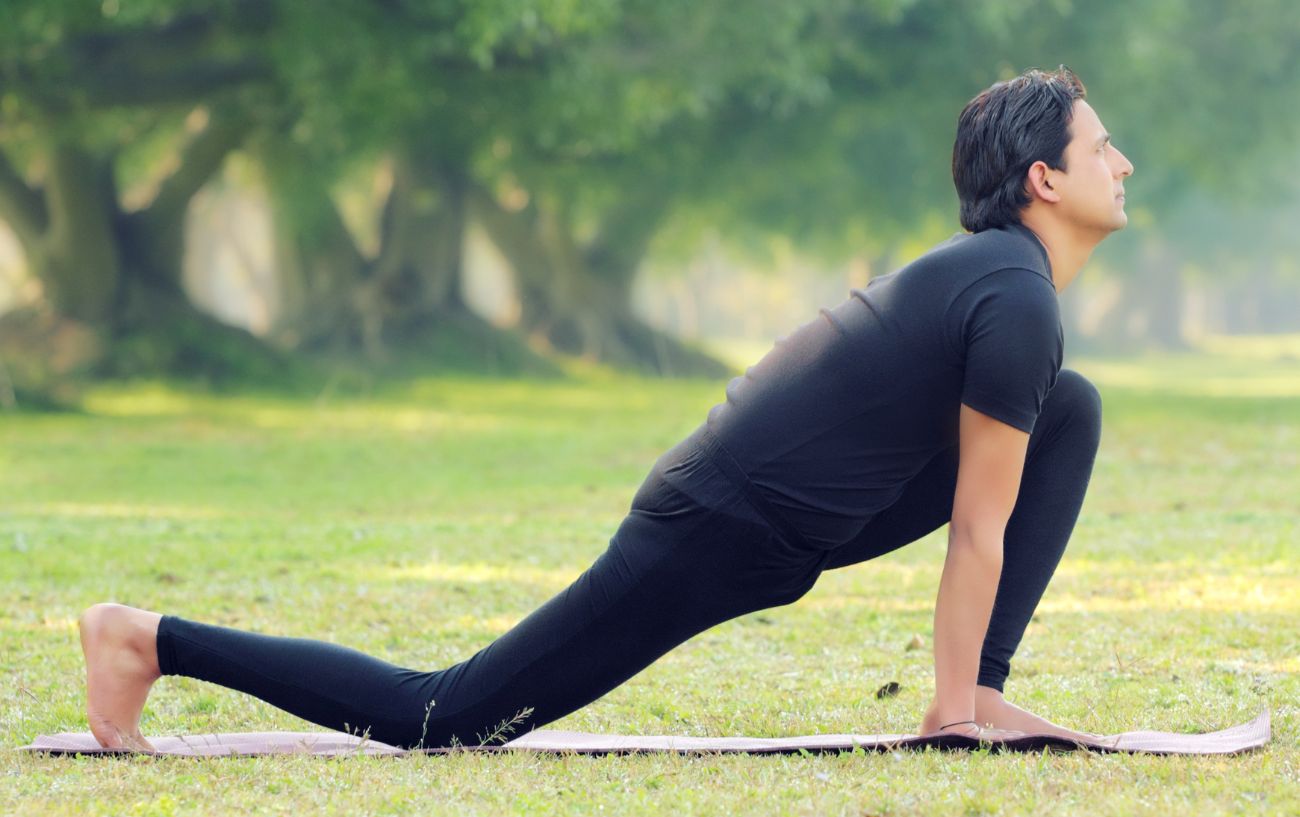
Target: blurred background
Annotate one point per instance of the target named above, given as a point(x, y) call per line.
point(230, 190)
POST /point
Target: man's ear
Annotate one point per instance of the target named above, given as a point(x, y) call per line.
point(1038, 185)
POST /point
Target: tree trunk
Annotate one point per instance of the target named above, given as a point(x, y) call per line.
point(335, 297)
point(1159, 288)
point(78, 259)
point(1149, 309)
point(577, 299)
point(113, 276)
point(416, 279)
point(317, 263)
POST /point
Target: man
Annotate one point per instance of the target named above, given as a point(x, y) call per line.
point(933, 396)
point(1066, 186)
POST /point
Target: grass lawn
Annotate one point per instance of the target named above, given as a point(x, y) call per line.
point(422, 520)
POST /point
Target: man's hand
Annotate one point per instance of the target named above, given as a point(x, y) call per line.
point(931, 722)
point(998, 719)
point(992, 708)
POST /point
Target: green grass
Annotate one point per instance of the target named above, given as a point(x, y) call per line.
point(425, 519)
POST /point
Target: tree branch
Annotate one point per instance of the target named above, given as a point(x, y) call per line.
point(394, 221)
point(499, 222)
point(201, 158)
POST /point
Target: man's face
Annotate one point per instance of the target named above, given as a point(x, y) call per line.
point(1092, 189)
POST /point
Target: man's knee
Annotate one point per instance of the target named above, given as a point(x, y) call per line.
point(1076, 395)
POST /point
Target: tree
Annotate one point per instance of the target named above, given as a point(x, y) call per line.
point(112, 126)
point(420, 87)
point(626, 131)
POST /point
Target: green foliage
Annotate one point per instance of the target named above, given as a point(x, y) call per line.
point(827, 122)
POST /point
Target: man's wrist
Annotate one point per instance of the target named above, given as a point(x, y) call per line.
point(990, 706)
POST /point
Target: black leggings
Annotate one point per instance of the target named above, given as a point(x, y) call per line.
point(692, 552)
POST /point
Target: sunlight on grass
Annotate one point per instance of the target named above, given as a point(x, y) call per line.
point(882, 603)
point(1215, 592)
point(902, 586)
point(476, 573)
point(611, 391)
point(1259, 347)
point(53, 624)
point(1180, 377)
point(1221, 366)
point(372, 418)
point(155, 400)
point(115, 510)
point(430, 404)
point(140, 399)
point(472, 622)
point(1290, 664)
point(1204, 590)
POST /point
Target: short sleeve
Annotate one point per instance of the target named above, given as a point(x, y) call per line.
point(1007, 326)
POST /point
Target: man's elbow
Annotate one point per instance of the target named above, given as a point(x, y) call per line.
point(981, 539)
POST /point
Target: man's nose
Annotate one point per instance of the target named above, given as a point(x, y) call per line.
point(1125, 167)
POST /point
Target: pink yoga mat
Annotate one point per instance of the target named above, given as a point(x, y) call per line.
point(1236, 739)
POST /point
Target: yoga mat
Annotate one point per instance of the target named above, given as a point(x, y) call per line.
point(1251, 735)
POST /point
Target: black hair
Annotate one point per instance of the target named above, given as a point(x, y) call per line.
point(1003, 131)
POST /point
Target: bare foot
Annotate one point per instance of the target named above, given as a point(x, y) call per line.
point(121, 665)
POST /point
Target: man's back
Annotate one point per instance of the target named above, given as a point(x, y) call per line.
point(833, 421)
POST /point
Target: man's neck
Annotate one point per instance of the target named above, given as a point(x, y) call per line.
point(1066, 250)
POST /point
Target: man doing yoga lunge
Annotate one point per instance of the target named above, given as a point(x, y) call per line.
point(932, 396)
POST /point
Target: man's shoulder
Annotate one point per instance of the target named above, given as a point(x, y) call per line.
point(977, 254)
point(966, 263)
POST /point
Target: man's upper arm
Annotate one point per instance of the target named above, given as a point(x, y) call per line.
point(991, 459)
point(1007, 330)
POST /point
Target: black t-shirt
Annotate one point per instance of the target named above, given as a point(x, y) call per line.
point(840, 414)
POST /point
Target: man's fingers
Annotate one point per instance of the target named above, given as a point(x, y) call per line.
point(1000, 734)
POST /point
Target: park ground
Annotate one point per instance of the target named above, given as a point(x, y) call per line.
point(418, 520)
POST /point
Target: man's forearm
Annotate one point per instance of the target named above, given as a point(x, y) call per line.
point(961, 618)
